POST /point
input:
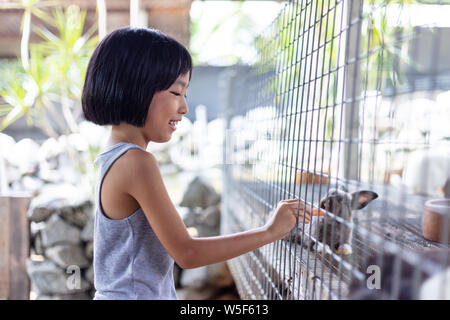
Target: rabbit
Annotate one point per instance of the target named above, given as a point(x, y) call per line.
point(341, 203)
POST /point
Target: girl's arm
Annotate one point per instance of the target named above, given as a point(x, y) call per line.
point(209, 250)
point(144, 183)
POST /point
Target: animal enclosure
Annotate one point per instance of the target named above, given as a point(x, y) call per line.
point(346, 110)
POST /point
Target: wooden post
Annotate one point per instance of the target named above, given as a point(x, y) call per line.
point(352, 90)
point(14, 246)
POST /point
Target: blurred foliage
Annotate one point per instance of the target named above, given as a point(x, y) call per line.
point(47, 88)
point(237, 19)
point(306, 42)
point(382, 43)
point(45, 83)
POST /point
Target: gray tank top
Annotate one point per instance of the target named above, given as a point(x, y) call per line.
point(129, 260)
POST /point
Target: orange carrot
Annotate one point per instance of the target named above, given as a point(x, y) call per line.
point(318, 212)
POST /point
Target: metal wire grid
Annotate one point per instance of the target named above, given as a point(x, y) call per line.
point(314, 101)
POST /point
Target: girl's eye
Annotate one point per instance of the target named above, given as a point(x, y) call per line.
point(178, 94)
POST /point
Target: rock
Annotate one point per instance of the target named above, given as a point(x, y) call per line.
point(211, 216)
point(77, 213)
point(168, 169)
point(75, 296)
point(182, 211)
point(89, 274)
point(177, 273)
point(229, 296)
point(64, 172)
point(204, 230)
point(70, 174)
point(35, 228)
point(70, 202)
point(77, 142)
point(199, 194)
point(48, 175)
point(194, 278)
point(66, 255)
point(41, 207)
point(13, 174)
point(38, 246)
point(32, 184)
point(87, 234)
point(35, 237)
point(188, 293)
point(50, 150)
point(16, 186)
point(192, 218)
point(57, 231)
point(67, 191)
point(52, 198)
point(24, 156)
point(6, 142)
point(64, 160)
point(95, 135)
point(207, 222)
point(163, 157)
point(219, 275)
point(89, 250)
point(48, 279)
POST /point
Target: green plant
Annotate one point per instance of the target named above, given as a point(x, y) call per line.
point(202, 34)
point(53, 74)
point(45, 84)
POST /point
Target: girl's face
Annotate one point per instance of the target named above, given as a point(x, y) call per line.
point(166, 106)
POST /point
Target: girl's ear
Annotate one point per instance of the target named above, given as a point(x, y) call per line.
point(360, 199)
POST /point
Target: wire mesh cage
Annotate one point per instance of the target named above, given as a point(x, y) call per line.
point(346, 110)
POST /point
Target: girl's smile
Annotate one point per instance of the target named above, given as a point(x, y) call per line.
point(173, 124)
point(166, 110)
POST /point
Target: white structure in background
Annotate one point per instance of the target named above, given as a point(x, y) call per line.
point(432, 288)
point(6, 143)
point(138, 17)
point(253, 140)
point(196, 146)
point(101, 7)
point(201, 132)
point(3, 182)
point(428, 170)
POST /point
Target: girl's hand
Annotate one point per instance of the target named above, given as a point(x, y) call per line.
point(284, 217)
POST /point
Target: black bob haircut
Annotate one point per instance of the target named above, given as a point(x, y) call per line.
point(126, 69)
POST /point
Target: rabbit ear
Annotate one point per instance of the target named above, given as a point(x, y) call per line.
point(360, 199)
point(342, 187)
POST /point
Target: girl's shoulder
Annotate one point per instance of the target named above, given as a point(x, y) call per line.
point(116, 201)
point(122, 167)
point(138, 156)
point(134, 158)
point(132, 164)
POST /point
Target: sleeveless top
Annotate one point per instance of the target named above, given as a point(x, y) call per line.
point(129, 260)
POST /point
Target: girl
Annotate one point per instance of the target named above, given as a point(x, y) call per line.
point(136, 81)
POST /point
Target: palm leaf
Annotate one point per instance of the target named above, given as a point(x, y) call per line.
point(4, 109)
point(12, 116)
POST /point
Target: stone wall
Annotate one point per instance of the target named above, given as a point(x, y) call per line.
point(202, 219)
point(60, 266)
point(61, 211)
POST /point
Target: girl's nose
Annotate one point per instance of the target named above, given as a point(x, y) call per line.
point(184, 108)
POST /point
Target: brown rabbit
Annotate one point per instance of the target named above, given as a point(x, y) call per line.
point(327, 230)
